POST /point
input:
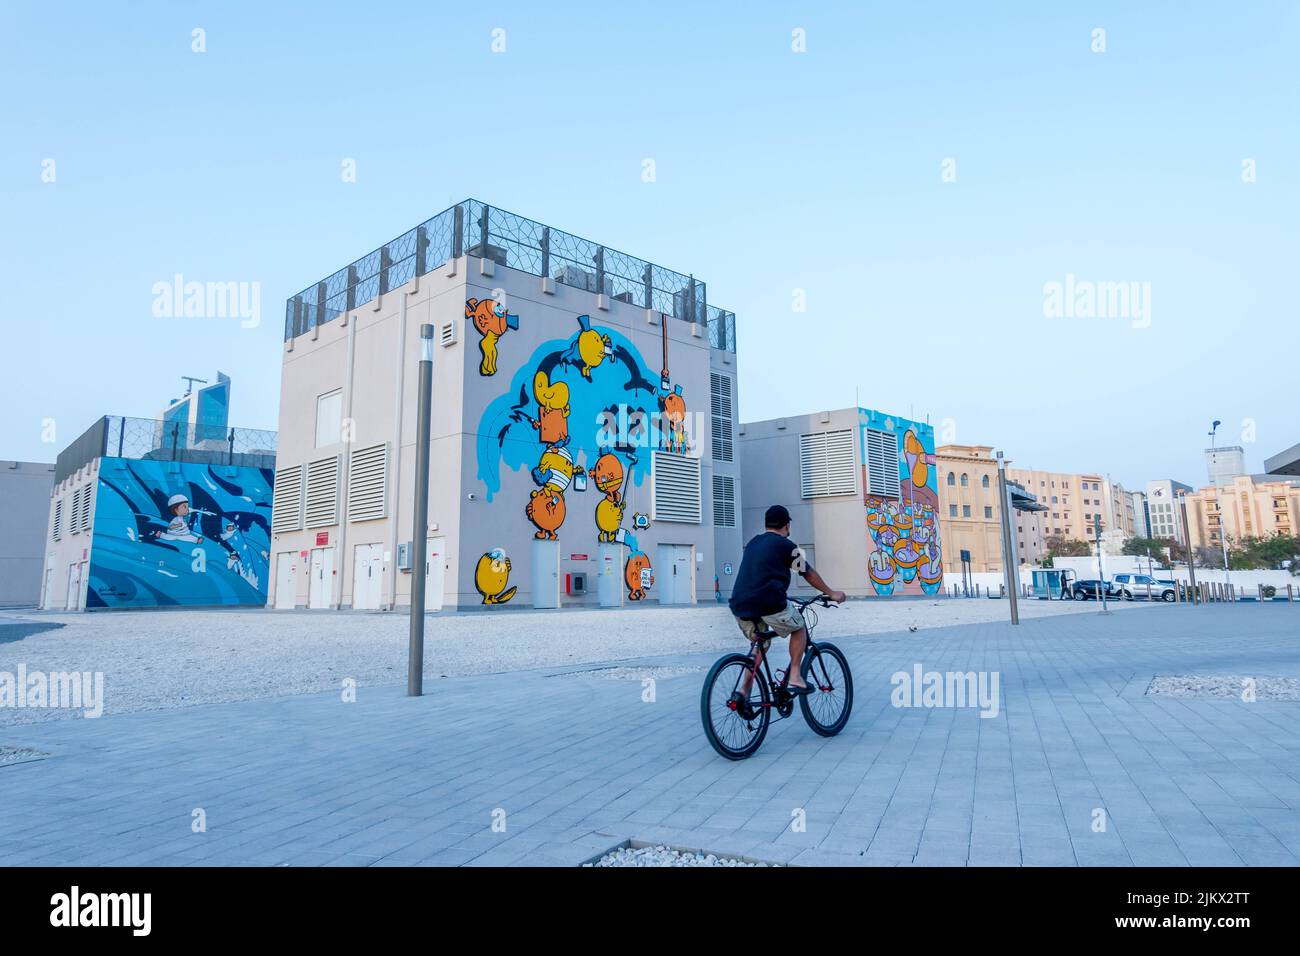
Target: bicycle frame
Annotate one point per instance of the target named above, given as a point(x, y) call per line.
point(779, 699)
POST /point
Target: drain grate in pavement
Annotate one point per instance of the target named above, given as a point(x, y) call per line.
point(1225, 687)
point(11, 755)
point(618, 672)
point(636, 853)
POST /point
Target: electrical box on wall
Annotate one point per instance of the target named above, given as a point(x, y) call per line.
point(404, 556)
point(575, 583)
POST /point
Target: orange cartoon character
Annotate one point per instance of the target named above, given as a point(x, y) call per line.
point(672, 428)
point(545, 509)
point(638, 575)
point(607, 474)
point(492, 320)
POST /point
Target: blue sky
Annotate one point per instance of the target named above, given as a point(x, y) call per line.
point(776, 171)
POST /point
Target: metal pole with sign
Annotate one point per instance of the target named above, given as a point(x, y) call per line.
point(1101, 570)
point(420, 526)
point(1187, 541)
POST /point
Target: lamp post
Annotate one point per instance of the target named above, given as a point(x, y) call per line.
point(1008, 556)
point(1187, 543)
point(420, 525)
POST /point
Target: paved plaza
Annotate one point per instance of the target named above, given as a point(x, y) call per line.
point(553, 766)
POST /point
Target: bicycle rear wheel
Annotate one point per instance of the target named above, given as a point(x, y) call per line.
point(828, 707)
point(735, 725)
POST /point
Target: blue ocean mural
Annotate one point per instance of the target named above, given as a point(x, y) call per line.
point(175, 534)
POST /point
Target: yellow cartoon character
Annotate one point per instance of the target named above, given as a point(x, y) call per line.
point(592, 347)
point(491, 577)
point(492, 320)
point(552, 422)
point(555, 470)
point(609, 517)
point(607, 474)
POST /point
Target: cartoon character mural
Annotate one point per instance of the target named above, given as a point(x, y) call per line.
point(491, 576)
point(904, 554)
point(492, 320)
point(170, 533)
point(588, 398)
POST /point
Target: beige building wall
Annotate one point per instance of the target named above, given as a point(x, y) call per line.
point(1072, 499)
point(968, 507)
point(1246, 508)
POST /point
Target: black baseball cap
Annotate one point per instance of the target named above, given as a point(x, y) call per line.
point(776, 517)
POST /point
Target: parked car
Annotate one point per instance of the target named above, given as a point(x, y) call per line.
point(1091, 589)
point(1130, 586)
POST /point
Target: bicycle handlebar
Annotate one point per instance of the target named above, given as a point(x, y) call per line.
point(821, 599)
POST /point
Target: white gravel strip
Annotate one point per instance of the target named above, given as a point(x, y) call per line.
point(1225, 686)
point(159, 659)
point(666, 856)
point(633, 673)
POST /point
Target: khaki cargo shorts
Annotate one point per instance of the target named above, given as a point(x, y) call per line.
point(783, 622)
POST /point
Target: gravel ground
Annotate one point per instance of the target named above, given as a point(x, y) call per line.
point(665, 856)
point(633, 673)
point(1225, 686)
point(153, 660)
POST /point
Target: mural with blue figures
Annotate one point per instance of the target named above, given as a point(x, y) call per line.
point(904, 552)
point(588, 407)
point(180, 534)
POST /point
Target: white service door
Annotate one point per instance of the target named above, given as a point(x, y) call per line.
point(47, 593)
point(435, 573)
point(286, 580)
point(675, 573)
point(367, 574)
point(322, 578)
point(70, 598)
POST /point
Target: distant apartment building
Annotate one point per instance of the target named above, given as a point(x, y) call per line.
point(1224, 464)
point(862, 487)
point(582, 447)
point(1165, 516)
point(1246, 507)
point(24, 503)
point(969, 519)
point(1071, 502)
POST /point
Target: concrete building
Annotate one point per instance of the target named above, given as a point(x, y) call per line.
point(1284, 463)
point(24, 500)
point(968, 514)
point(1162, 508)
point(1072, 499)
point(1246, 507)
point(1141, 516)
point(1224, 464)
point(152, 513)
point(583, 434)
point(862, 488)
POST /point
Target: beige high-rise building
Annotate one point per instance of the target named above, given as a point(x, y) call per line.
point(968, 514)
point(1249, 507)
point(1072, 502)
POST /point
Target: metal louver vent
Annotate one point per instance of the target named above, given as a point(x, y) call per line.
point(676, 480)
point(74, 516)
point(85, 506)
point(286, 508)
point(367, 483)
point(882, 463)
point(723, 414)
point(57, 531)
point(322, 506)
point(724, 501)
point(826, 465)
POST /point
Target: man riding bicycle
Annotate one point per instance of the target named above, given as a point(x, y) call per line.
point(759, 597)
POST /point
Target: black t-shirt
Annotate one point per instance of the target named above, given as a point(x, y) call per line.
point(764, 576)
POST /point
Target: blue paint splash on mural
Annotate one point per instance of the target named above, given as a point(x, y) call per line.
point(620, 390)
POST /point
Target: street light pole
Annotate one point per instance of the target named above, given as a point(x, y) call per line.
point(1011, 574)
point(420, 525)
point(1187, 543)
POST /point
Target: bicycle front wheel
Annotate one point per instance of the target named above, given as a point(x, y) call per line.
point(828, 707)
point(734, 721)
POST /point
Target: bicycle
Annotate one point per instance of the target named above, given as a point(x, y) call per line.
point(736, 723)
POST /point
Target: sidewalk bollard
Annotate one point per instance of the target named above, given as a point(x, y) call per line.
point(1261, 593)
point(1288, 594)
point(1148, 592)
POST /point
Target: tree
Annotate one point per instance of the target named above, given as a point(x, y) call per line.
point(1141, 547)
point(1060, 546)
point(1271, 553)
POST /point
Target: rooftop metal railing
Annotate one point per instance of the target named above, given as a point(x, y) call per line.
point(117, 436)
point(477, 229)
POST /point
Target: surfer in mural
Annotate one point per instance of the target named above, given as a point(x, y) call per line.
point(179, 527)
point(239, 555)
